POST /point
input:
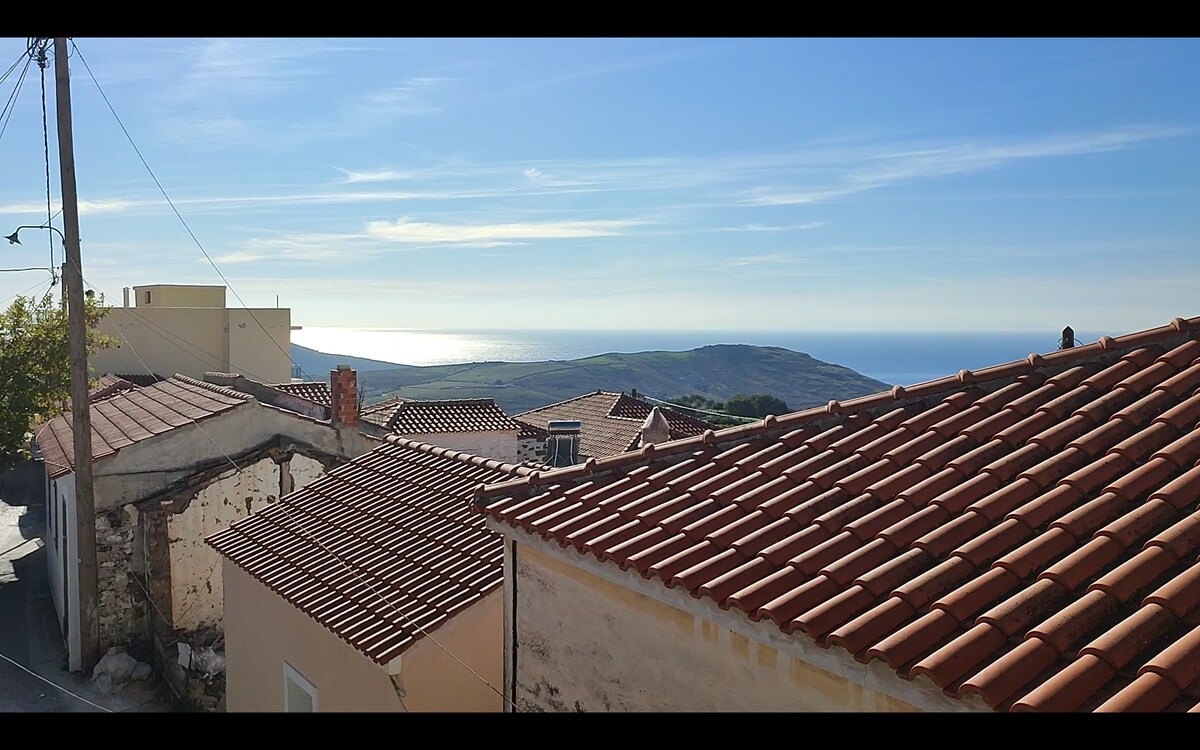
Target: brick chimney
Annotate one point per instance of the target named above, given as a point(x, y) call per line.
point(343, 397)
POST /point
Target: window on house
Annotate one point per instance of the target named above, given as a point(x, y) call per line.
point(299, 695)
point(53, 514)
point(147, 298)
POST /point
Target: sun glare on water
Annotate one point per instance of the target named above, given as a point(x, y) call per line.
point(401, 347)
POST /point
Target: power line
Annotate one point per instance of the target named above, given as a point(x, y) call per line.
point(46, 149)
point(35, 286)
point(20, 666)
point(674, 405)
point(6, 113)
point(283, 508)
point(173, 339)
point(24, 55)
point(179, 215)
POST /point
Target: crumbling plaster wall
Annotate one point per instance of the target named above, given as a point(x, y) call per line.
point(587, 644)
point(195, 567)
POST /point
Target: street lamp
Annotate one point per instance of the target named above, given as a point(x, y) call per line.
point(13, 239)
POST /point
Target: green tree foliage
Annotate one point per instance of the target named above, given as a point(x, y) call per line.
point(35, 367)
point(757, 405)
point(696, 401)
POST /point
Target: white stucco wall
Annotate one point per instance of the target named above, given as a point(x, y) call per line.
point(588, 644)
point(196, 595)
point(501, 446)
point(64, 591)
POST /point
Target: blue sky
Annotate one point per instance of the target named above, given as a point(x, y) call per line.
point(803, 184)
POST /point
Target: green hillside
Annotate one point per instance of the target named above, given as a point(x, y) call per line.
point(716, 372)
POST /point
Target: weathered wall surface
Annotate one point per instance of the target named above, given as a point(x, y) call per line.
point(531, 449)
point(303, 470)
point(586, 644)
point(501, 446)
point(140, 470)
point(120, 609)
point(196, 598)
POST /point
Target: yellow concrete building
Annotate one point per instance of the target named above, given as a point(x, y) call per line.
point(188, 329)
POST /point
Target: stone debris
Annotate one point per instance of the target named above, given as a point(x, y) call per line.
point(114, 670)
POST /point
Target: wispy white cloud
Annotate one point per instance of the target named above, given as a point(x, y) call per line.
point(407, 230)
point(871, 171)
point(766, 228)
point(379, 175)
point(367, 112)
point(768, 259)
point(251, 67)
point(624, 64)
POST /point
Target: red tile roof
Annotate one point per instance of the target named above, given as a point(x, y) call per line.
point(611, 422)
point(410, 417)
point(317, 392)
point(1028, 533)
point(410, 553)
point(109, 385)
point(133, 415)
point(140, 379)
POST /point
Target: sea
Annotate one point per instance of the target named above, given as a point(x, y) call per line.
point(892, 357)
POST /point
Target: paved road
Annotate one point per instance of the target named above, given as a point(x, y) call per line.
point(30, 634)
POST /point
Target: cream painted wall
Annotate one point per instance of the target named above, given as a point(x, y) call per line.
point(179, 295)
point(193, 340)
point(168, 340)
point(263, 631)
point(434, 680)
point(501, 446)
point(253, 350)
point(586, 644)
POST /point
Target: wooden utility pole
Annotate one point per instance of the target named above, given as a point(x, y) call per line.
point(81, 421)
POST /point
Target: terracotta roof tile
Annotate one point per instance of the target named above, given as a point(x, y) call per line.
point(317, 392)
point(1027, 533)
point(409, 553)
point(410, 417)
point(124, 416)
point(611, 422)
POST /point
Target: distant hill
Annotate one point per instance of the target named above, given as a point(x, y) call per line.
point(317, 365)
point(715, 372)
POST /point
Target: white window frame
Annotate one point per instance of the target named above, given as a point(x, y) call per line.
point(290, 673)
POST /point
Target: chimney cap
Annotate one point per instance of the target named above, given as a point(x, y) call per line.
point(655, 420)
point(343, 367)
